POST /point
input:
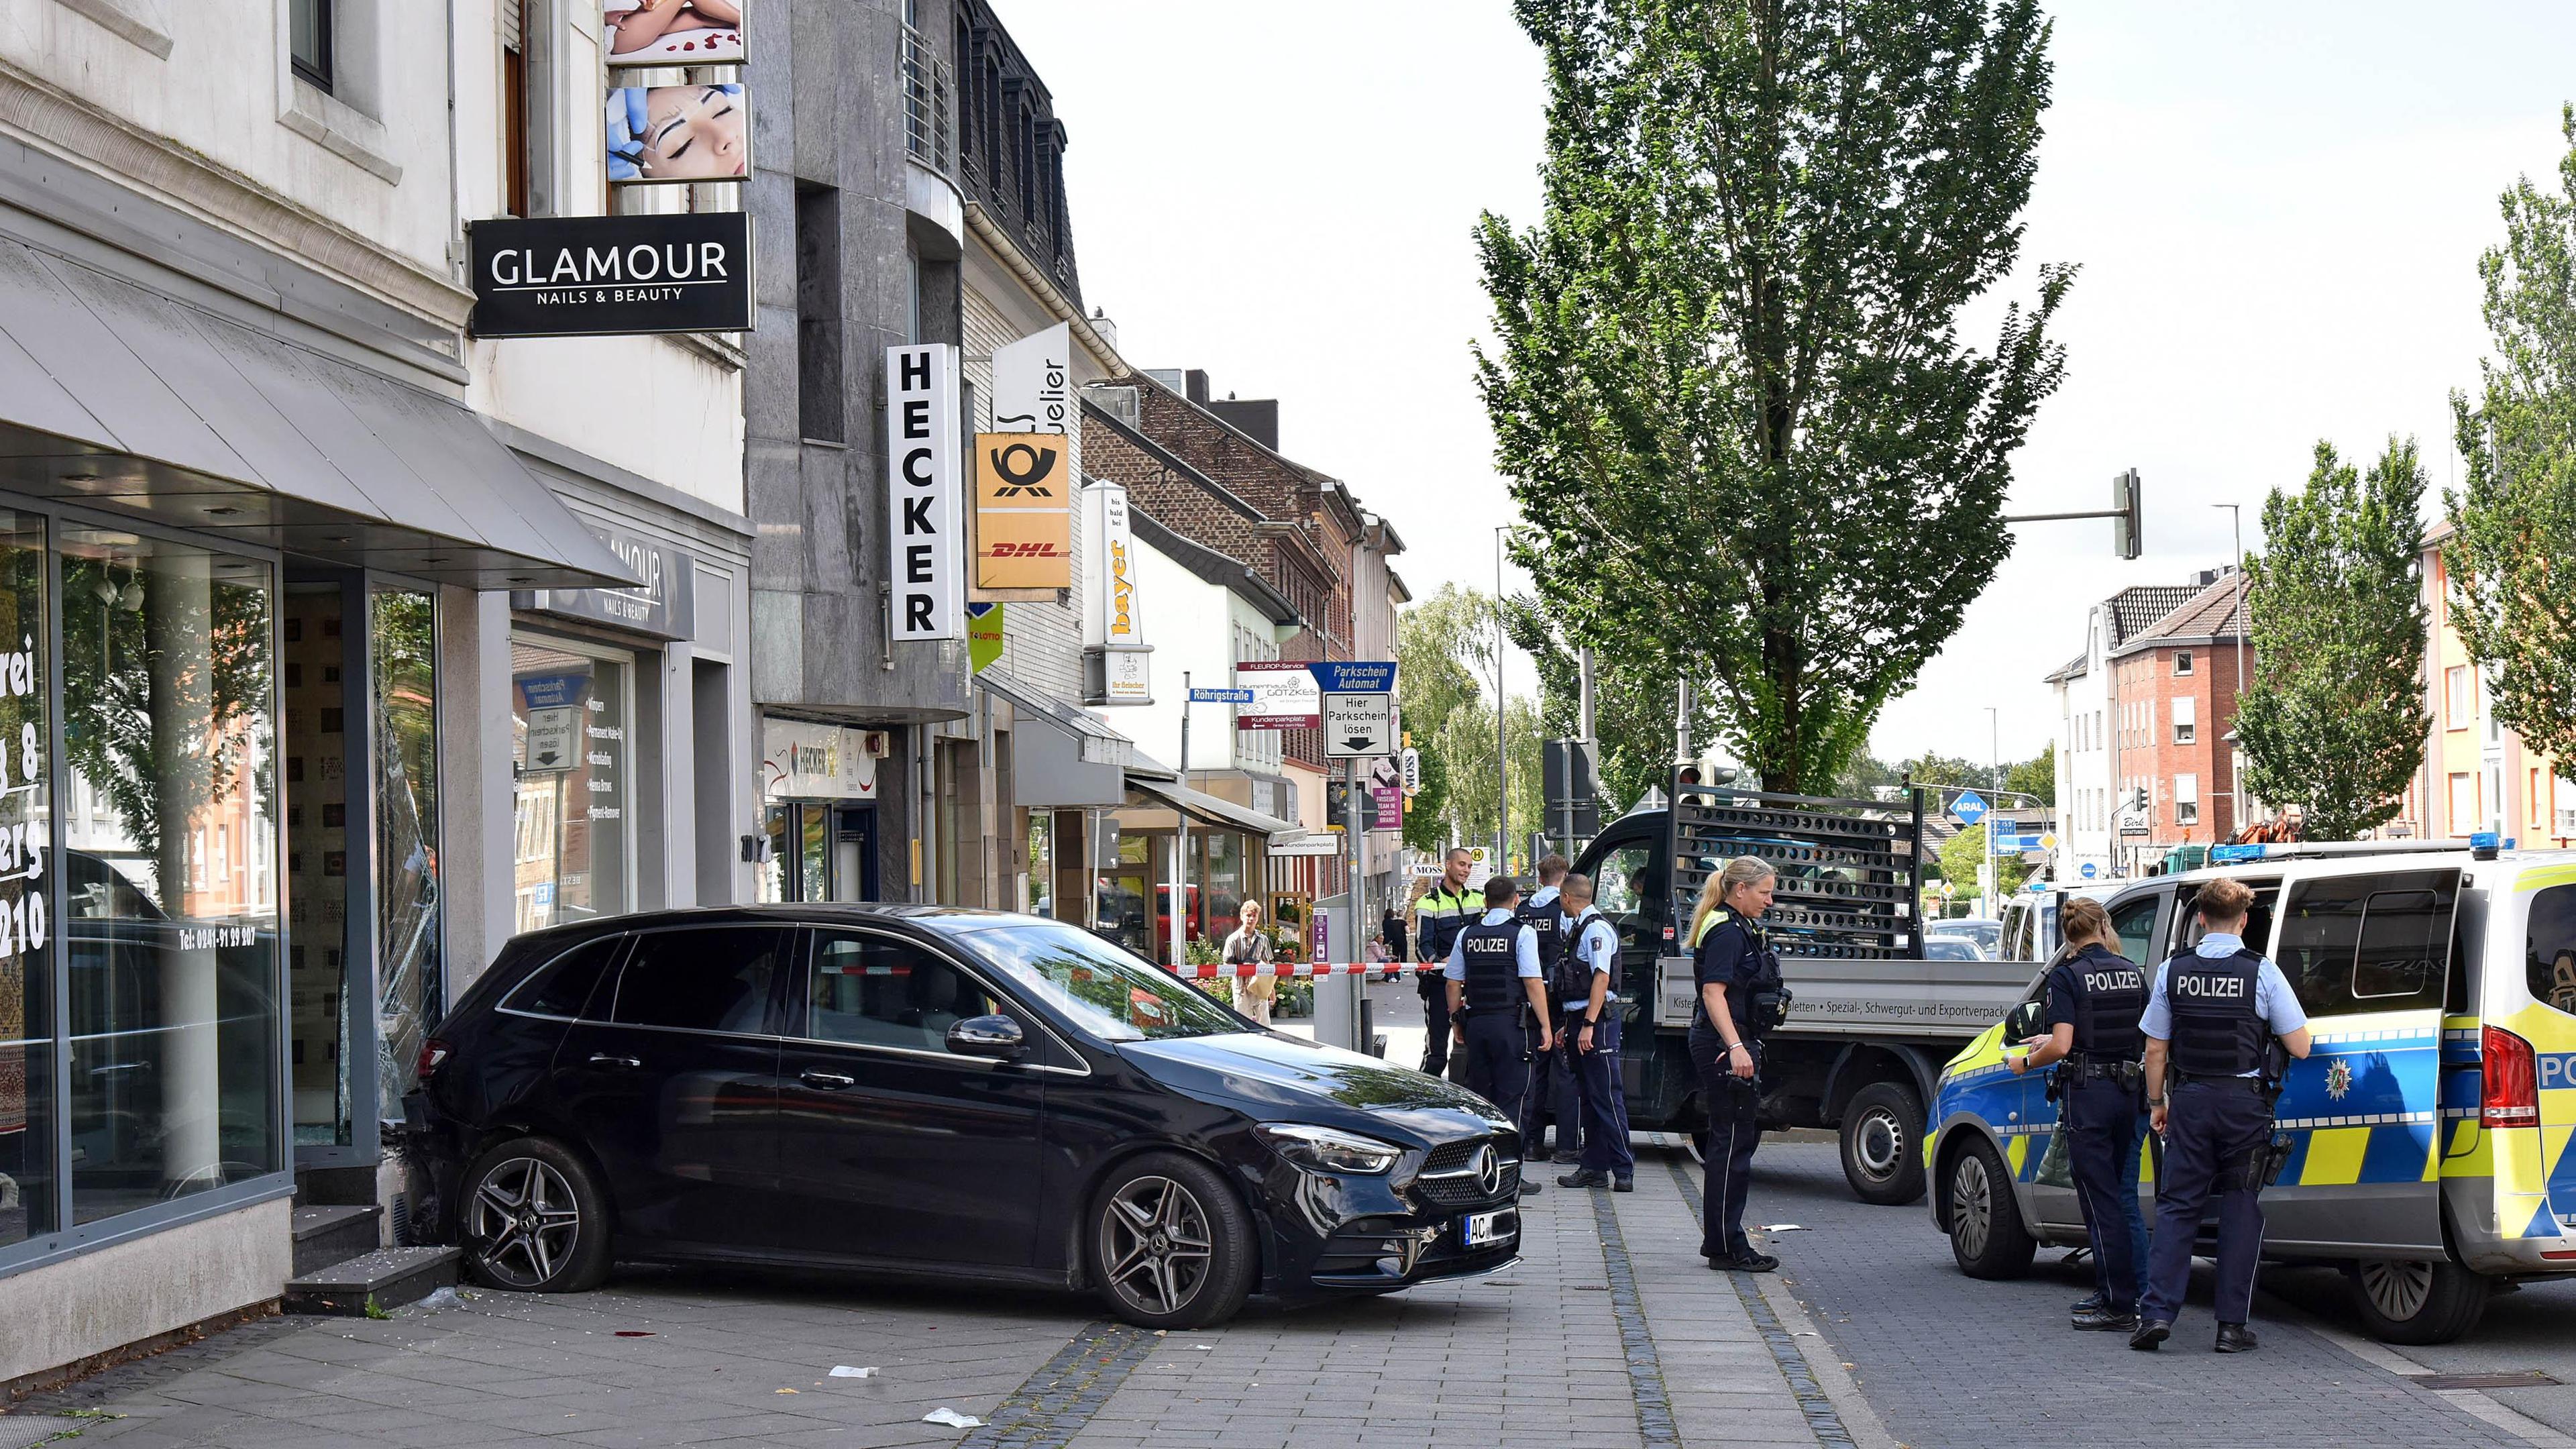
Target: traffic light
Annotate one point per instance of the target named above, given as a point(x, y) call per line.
point(2126, 534)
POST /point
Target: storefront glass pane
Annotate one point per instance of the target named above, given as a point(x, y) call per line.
point(1040, 897)
point(773, 871)
point(172, 883)
point(1224, 883)
point(317, 861)
point(814, 853)
point(403, 662)
point(27, 1118)
point(575, 854)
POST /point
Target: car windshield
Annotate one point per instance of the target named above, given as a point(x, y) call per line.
point(1106, 991)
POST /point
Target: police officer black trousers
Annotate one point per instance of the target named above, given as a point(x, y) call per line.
point(1734, 1130)
point(2213, 1129)
point(1548, 1094)
point(1435, 1023)
point(1495, 1066)
point(2104, 1125)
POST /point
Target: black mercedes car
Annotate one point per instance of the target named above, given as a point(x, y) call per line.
point(920, 1090)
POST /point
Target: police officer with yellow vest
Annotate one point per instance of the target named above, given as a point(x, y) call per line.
point(1500, 1002)
point(2216, 1013)
point(1447, 909)
point(1741, 999)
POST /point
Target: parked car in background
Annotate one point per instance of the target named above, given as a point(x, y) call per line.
point(1951, 948)
point(923, 1091)
point(1989, 935)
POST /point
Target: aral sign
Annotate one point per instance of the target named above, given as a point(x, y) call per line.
point(583, 276)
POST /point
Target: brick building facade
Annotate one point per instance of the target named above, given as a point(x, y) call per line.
point(2173, 687)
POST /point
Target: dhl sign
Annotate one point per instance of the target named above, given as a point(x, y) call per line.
point(1023, 511)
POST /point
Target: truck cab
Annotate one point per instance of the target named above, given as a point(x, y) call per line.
point(2429, 1123)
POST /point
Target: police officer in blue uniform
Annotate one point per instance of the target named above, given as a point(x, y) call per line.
point(1740, 1001)
point(1552, 1091)
point(1445, 910)
point(2094, 997)
point(1494, 989)
point(2214, 1018)
point(1587, 986)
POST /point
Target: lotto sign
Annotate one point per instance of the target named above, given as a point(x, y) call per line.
point(1023, 511)
point(922, 494)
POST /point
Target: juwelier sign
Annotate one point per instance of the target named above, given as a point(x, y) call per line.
point(591, 276)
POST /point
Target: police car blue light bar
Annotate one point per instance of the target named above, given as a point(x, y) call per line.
point(2231, 854)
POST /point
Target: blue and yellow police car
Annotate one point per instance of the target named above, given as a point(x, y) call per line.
point(2428, 1131)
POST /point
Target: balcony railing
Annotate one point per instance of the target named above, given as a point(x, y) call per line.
point(929, 104)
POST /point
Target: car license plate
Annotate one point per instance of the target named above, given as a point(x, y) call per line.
point(1499, 1226)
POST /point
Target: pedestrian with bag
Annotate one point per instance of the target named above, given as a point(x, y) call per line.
point(1250, 946)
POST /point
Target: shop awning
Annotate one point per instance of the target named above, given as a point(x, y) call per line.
point(1065, 755)
point(120, 397)
point(1210, 810)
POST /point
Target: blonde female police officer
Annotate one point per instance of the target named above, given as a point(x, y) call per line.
point(2094, 997)
point(1739, 996)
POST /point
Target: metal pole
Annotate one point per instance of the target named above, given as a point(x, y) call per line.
point(1994, 784)
point(2236, 624)
point(1583, 678)
point(1359, 856)
point(1681, 724)
point(1502, 755)
point(1181, 843)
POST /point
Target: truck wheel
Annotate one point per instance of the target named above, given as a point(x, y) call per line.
point(2418, 1303)
point(1986, 1234)
point(1882, 1144)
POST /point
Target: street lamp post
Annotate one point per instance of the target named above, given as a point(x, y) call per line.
point(2236, 623)
point(1994, 785)
point(1502, 758)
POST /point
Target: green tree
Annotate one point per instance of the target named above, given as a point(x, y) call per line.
point(2036, 776)
point(2334, 719)
point(1964, 852)
point(1727, 387)
point(2512, 552)
point(1444, 681)
point(1632, 708)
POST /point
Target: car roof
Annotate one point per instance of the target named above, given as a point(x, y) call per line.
point(786, 913)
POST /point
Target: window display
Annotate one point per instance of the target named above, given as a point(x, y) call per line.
point(575, 850)
point(402, 641)
point(27, 1118)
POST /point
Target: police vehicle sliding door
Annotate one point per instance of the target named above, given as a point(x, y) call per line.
point(2369, 953)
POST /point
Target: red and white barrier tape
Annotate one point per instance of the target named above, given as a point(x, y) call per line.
point(1301, 970)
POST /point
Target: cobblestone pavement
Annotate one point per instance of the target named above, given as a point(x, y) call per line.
point(1945, 1360)
point(1615, 1333)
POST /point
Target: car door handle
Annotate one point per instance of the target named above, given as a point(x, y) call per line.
point(603, 1059)
point(827, 1081)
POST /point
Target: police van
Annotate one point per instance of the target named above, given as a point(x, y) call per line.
point(2428, 1129)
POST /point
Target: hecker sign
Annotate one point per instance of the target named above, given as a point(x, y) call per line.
point(925, 524)
point(587, 276)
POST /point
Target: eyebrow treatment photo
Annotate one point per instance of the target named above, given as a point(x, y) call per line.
point(678, 133)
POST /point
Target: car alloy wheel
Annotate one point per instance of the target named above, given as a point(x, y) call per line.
point(1156, 1245)
point(1972, 1206)
point(524, 1221)
point(2397, 1290)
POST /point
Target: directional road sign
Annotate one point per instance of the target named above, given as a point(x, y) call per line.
point(2088, 871)
point(1354, 676)
point(1970, 807)
point(1357, 726)
point(1220, 696)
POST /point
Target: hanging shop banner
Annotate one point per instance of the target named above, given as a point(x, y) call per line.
point(603, 276)
point(1032, 383)
point(664, 606)
point(801, 761)
point(658, 135)
point(1390, 808)
point(1117, 659)
point(1023, 511)
point(1284, 696)
point(672, 32)
point(925, 529)
point(983, 636)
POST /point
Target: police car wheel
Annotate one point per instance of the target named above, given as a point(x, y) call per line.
point(2418, 1303)
point(1882, 1153)
point(1986, 1235)
point(1171, 1243)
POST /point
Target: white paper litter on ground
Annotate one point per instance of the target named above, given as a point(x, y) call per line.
point(1784, 1228)
point(844, 1371)
point(953, 1419)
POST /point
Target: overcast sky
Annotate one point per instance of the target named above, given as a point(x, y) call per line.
point(2278, 219)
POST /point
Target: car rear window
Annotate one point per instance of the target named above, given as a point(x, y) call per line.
point(707, 978)
point(565, 986)
point(2549, 962)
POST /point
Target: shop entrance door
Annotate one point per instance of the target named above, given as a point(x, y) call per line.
point(326, 869)
point(820, 851)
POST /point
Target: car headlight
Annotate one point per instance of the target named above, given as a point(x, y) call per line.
point(1321, 1149)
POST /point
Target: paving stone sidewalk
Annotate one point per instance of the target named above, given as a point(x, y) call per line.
point(1615, 1336)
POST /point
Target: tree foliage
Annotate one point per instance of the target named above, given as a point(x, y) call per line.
point(1727, 386)
point(1632, 708)
point(1444, 680)
point(1963, 853)
point(2334, 718)
point(2512, 552)
point(2036, 776)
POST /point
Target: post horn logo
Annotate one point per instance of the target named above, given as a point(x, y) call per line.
point(1023, 471)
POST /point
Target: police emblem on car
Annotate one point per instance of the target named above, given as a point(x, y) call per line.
point(2338, 1078)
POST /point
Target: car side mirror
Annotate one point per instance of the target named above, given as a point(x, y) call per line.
point(2023, 1022)
point(997, 1037)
